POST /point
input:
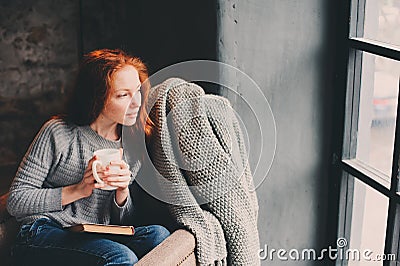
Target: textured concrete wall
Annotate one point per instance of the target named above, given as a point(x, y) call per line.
point(38, 55)
point(285, 47)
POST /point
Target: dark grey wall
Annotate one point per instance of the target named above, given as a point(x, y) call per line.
point(161, 33)
point(38, 55)
point(285, 47)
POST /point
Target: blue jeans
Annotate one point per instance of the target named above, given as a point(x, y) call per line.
point(45, 242)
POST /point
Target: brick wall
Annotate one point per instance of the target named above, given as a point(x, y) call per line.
point(38, 55)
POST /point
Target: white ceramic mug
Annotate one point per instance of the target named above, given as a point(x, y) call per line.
point(104, 158)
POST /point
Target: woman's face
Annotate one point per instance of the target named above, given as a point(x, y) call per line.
point(124, 98)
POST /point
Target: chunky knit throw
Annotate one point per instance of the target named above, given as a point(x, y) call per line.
point(197, 145)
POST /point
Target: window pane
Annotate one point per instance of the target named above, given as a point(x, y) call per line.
point(377, 112)
point(368, 223)
point(382, 21)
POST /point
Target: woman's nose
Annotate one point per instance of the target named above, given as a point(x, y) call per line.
point(136, 100)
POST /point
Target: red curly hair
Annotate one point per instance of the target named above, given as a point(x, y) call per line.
point(95, 76)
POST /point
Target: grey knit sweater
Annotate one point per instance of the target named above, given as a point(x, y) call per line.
point(58, 157)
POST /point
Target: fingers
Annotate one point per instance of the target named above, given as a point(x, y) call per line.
point(122, 164)
point(89, 173)
point(88, 179)
point(99, 185)
point(124, 178)
point(118, 181)
point(88, 170)
point(118, 184)
point(94, 158)
point(116, 172)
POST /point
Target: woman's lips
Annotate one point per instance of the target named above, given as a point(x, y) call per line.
point(131, 115)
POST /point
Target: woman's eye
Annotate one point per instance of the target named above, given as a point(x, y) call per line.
point(122, 95)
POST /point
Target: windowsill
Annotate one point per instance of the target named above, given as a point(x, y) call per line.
point(370, 171)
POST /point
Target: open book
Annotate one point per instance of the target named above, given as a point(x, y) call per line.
point(104, 229)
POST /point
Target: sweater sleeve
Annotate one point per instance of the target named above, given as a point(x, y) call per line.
point(122, 214)
point(27, 196)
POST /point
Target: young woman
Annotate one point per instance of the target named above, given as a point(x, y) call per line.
point(54, 187)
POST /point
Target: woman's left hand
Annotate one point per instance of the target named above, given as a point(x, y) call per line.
point(119, 178)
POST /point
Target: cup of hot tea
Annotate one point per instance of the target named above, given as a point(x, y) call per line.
point(104, 158)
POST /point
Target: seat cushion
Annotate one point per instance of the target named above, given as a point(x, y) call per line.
point(8, 231)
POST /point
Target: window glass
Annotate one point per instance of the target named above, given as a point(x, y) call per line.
point(382, 21)
point(368, 225)
point(377, 112)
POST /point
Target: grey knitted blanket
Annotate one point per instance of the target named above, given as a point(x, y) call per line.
point(197, 146)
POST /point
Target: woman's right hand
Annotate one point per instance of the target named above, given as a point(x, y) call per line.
point(84, 188)
point(88, 183)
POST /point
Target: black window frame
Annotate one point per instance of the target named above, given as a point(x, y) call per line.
point(350, 21)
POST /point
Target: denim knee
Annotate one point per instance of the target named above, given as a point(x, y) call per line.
point(158, 233)
point(121, 256)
